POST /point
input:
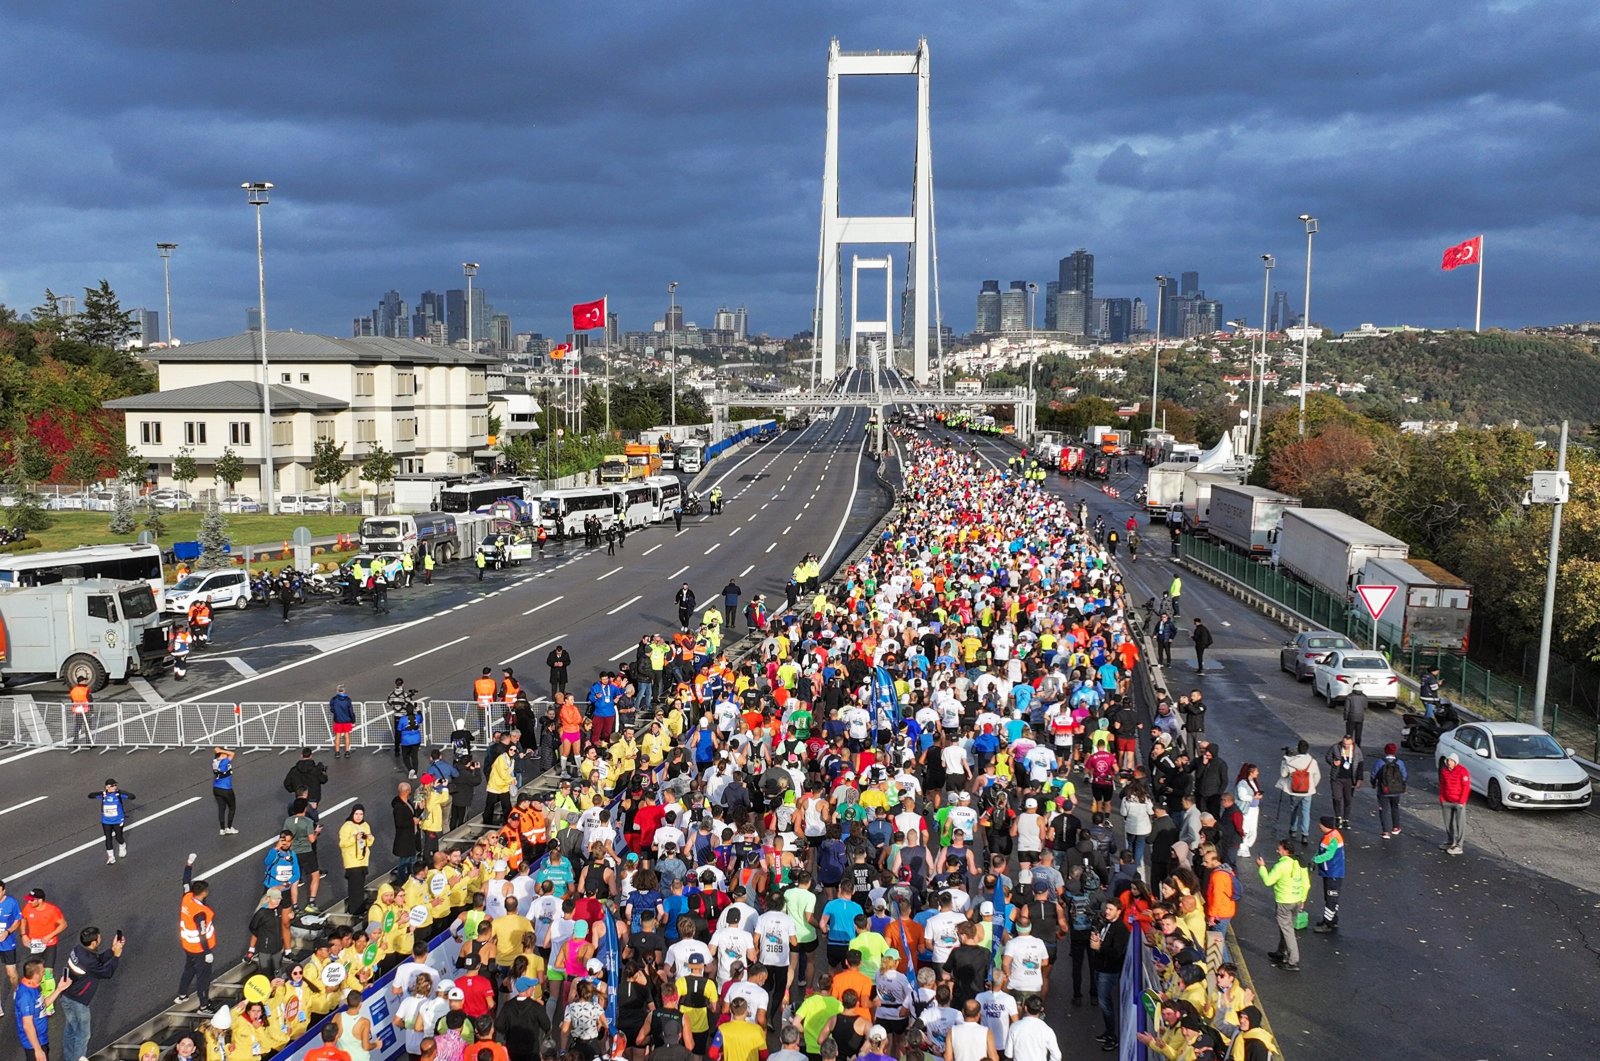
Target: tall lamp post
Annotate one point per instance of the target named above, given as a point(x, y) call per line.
point(1550, 488)
point(258, 194)
point(1268, 263)
point(1033, 292)
point(1155, 375)
point(470, 269)
point(165, 250)
point(672, 356)
point(1305, 324)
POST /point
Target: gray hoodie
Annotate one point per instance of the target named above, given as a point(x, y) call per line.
point(1290, 764)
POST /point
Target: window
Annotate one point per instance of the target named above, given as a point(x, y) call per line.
point(365, 384)
point(194, 433)
point(305, 377)
point(102, 608)
point(150, 432)
point(366, 430)
point(476, 383)
point(405, 429)
point(411, 465)
point(238, 433)
point(405, 384)
point(285, 377)
point(324, 429)
point(479, 426)
point(282, 432)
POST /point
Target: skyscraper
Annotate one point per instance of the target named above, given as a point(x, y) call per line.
point(1072, 312)
point(500, 331)
point(674, 318)
point(391, 319)
point(430, 315)
point(1141, 316)
point(146, 326)
point(1014, 307)
point(988, 308)
point(1188, 284)
point(1280, 311)
point(456, 314)
point(1118, 320)
point(252, 318)
point(1051, 290)
point(1077, 273)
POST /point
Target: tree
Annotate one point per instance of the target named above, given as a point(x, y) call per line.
point(154, 521)
point(31, 463)
point(378, 469)
point(103, 321)
point(328, 464)
point(83, 464)
point(127, 465)
point(1323, 469)
point(27, 515)
point(184, 469)
point(519, 453)
point(121, 512)
point(229, 469)
point(48, 316)
point(213, 539)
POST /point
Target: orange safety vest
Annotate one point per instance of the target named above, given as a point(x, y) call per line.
point(80, 699)
point(483, 689)
point(509, 691)
point(200, 614)
point(190, 934)
point(535, 827)
point(485, 1051)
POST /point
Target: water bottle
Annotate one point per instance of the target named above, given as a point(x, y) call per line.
point(46, 988)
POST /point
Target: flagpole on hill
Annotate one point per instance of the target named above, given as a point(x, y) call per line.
point(1477, 319)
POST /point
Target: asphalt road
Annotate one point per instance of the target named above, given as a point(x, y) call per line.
point(1494, 954)
point(807, 491)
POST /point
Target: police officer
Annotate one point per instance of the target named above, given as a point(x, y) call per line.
point(716, 500)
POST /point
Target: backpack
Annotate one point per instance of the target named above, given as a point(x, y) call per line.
point(1300, 781)
point(1391, 782)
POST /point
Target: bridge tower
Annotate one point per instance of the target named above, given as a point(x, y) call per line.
point(915, 229)
point(860, 327)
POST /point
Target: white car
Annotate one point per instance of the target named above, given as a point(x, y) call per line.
point(171, 500)
point(295, 504)
point(239, 503)
point(1513, 764)
point(100, 500)
point(1343, 669)
point(227, 589)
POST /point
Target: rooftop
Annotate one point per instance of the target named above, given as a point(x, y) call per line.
point(305, 347)
point(227, 396)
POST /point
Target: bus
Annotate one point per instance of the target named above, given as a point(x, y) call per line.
point(563, 511)
point(639, 504)
point(133, 562)
point(469, 497)
point(668, 494)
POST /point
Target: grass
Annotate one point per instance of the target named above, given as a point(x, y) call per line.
point(71, 529)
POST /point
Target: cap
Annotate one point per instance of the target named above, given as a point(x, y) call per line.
point(1041, 887)
point(1329, 821)
point(37, 893)
point(1030, 804)
point(877, 1033)
point(964, 797)
point(1451, 758)
point(461, 723)
point(456, 995)
point(222, 1019)
point(1391, 749)
point(880, 903)
point(525, 982)
point(446, 986)
point(697, 959)
point(987, 909)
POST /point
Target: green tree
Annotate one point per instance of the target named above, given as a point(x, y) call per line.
point(213, 539)
point(27, 515)
point(103, 321)
point(127, 465)
point(185, 469)
point(328, 465)
point(154, 521)
point(121, 512)
point(48, 315)
point(31, 463)
point(83, 464)
point(377, 469)
point(520, 453)
point(229, 469)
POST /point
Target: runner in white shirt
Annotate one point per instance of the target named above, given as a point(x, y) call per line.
point(1031, 1038)
point(731, 944)
point(999, 1010)
point(678, 954)
point(857, 723)
point(1042, 762)
point(1026, 963)
point(941, 934)
point(775, 930)
point(757, 997)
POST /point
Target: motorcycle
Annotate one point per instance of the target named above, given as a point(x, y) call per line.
point(1420, 733)
point(692, 505)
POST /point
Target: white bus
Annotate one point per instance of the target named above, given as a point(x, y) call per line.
point(469, 497)
point(134, 562)
point(691, 456)
point(563, 511)
point(640, 505)
point(668, 493)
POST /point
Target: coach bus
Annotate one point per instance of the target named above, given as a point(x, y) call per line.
point(133, 562)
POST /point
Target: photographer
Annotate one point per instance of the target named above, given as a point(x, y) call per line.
point(1299, 774)
point(307, 774)
point(86, 967)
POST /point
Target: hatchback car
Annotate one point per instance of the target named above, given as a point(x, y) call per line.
point(239, 503)
point(1300, 654)
point(1513, 764)
point(172, 500)
point(1342, 670)
point(226, 588)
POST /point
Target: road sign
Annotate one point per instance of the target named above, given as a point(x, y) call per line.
point(301, 536)
point(1377, 598)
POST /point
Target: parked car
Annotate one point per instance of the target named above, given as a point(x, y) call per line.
point(171, 500)
point(64, 502)
point(100, 500)
point(295, 504)
point(1513, 764)
point(1299, 655)
point(1343, 669)
point(227, 589)
point(239, 503)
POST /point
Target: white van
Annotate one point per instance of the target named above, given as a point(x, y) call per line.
point(226, 588)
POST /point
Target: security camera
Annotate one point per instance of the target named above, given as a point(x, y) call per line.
point(1527, 500)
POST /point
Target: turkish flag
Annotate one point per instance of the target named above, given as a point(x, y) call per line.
point(586, 315)
point(1468, 253)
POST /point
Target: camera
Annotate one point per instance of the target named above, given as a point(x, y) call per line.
point(1286, 750)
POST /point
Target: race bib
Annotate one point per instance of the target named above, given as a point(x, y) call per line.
point(36, 946)
point(284, 873)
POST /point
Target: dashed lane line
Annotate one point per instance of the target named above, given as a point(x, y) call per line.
point(97, 842)
point(431, 651)
point(624, 604)
point(535, 648)
point(608, 574)
point(546, 604)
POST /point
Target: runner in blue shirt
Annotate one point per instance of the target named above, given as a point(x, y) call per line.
point(281, 865)
point(10, 930)
point(33, 1029)
point(113, 818)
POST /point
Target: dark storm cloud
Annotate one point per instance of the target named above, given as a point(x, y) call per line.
point(580, 149)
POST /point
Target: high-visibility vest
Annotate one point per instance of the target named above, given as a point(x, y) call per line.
point(509, 691)
point(536, 827)
point(80, 698)
point(483, 689)
point(190, 935)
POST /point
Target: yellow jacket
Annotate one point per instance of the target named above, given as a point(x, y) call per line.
point(434, 812)
point(500, 776)
point(355, 844)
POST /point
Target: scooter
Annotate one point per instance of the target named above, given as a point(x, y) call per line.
point(1420, 733)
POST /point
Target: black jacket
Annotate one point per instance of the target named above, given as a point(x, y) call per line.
point(86, 969)
point(1201, 635)
point(309, 775)
point(1211, 779)
point(405, 829)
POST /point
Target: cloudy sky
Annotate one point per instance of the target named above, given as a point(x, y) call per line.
point(581, 149)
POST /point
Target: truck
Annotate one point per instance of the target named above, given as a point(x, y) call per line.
point(1326, 548)
point(690, 456)
point(419, 491)
point(92, 630)
point(1431, 609)
point(638, 460)
point(1198, 487)
point(1163, 487)
point(403, 532)
point(1246, 517)
point(1092, 437)
point(1150, 447)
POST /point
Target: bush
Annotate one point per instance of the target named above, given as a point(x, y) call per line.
point(22, 546)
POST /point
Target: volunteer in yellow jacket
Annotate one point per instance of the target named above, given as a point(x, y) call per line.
point(1290, 883)
point(1254, 1043)
point(355, 847)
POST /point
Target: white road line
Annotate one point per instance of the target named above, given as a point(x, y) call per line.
point(624, 652)
point(322, 812)
point(715, 546)
point(735, 530)
point(678, 572)
point(763, 508)
point(753, 516)
point(786, 530)
point(623, 605)
point(546, 604)
point(535, 648)
point(460, 606)
point(24, 803)
point(747, 570)
point(97, 842)
point(771, 547)
point(855, 484)
point(431, 651)
point(805, 506)
point(652, 549)
point(608, 574)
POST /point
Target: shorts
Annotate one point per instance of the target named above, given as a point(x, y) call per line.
point(1101, 793)
point(308, 864)
point(895, 1026)
point(343, 729)
point(571, 736)
point(1128, 744)
point(837, 953)
point(8, 957)
point(809, 945)
point(856, 744)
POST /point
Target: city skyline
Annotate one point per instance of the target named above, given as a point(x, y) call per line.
point(567, 183)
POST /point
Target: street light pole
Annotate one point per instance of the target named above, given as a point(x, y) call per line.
point(1033, 291)
point(471, 270)
point(1551, 567)
point(1155, 375)
point(259, 193)
point(1268, 263)
point(672, 346)
point(165, 250)
point(1305, 324)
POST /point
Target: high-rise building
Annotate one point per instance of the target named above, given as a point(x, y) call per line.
point(500, 331)
point(988, 308)
point(1280, 310)
point(430, 312)
point(1077, 273)
point(1051, 290)
point(1072, 312)
point(613, 331)
point(1094, 317)
point(391, 319)
point(1189, 284)
point(146, 326)
point(741, 323)
point(456, 314)
point(1141, 316)
point(673, 321)
point(1014, 307)
point(1118, 320)
point(360, 327)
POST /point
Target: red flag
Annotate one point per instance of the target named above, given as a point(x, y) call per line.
point(559, 351)
point(586, 315)
point(1468, 253)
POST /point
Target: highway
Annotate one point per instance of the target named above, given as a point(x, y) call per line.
point(807, 491)
point(1436, 957)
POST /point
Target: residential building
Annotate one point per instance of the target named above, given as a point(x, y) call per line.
point(426, 404)
point(988, 322)
point(1014, 307)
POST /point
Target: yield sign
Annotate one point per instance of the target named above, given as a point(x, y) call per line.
point(1377, 598)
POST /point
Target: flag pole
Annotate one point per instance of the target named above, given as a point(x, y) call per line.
point(605, 326)
point(1477, 320)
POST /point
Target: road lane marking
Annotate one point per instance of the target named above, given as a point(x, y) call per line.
point(535, 648)
point(97, 842)
point(747, 570)
point(652, 549)
point(678, 572)
point(24, 803)
point(623, 605)
point(608, 574)
point(771, 547)
point(735, 530)
point(431, 651)
point(715, 546)
point(624, 652)
point(546, 604)
point(855, 484)
point(236, 859)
